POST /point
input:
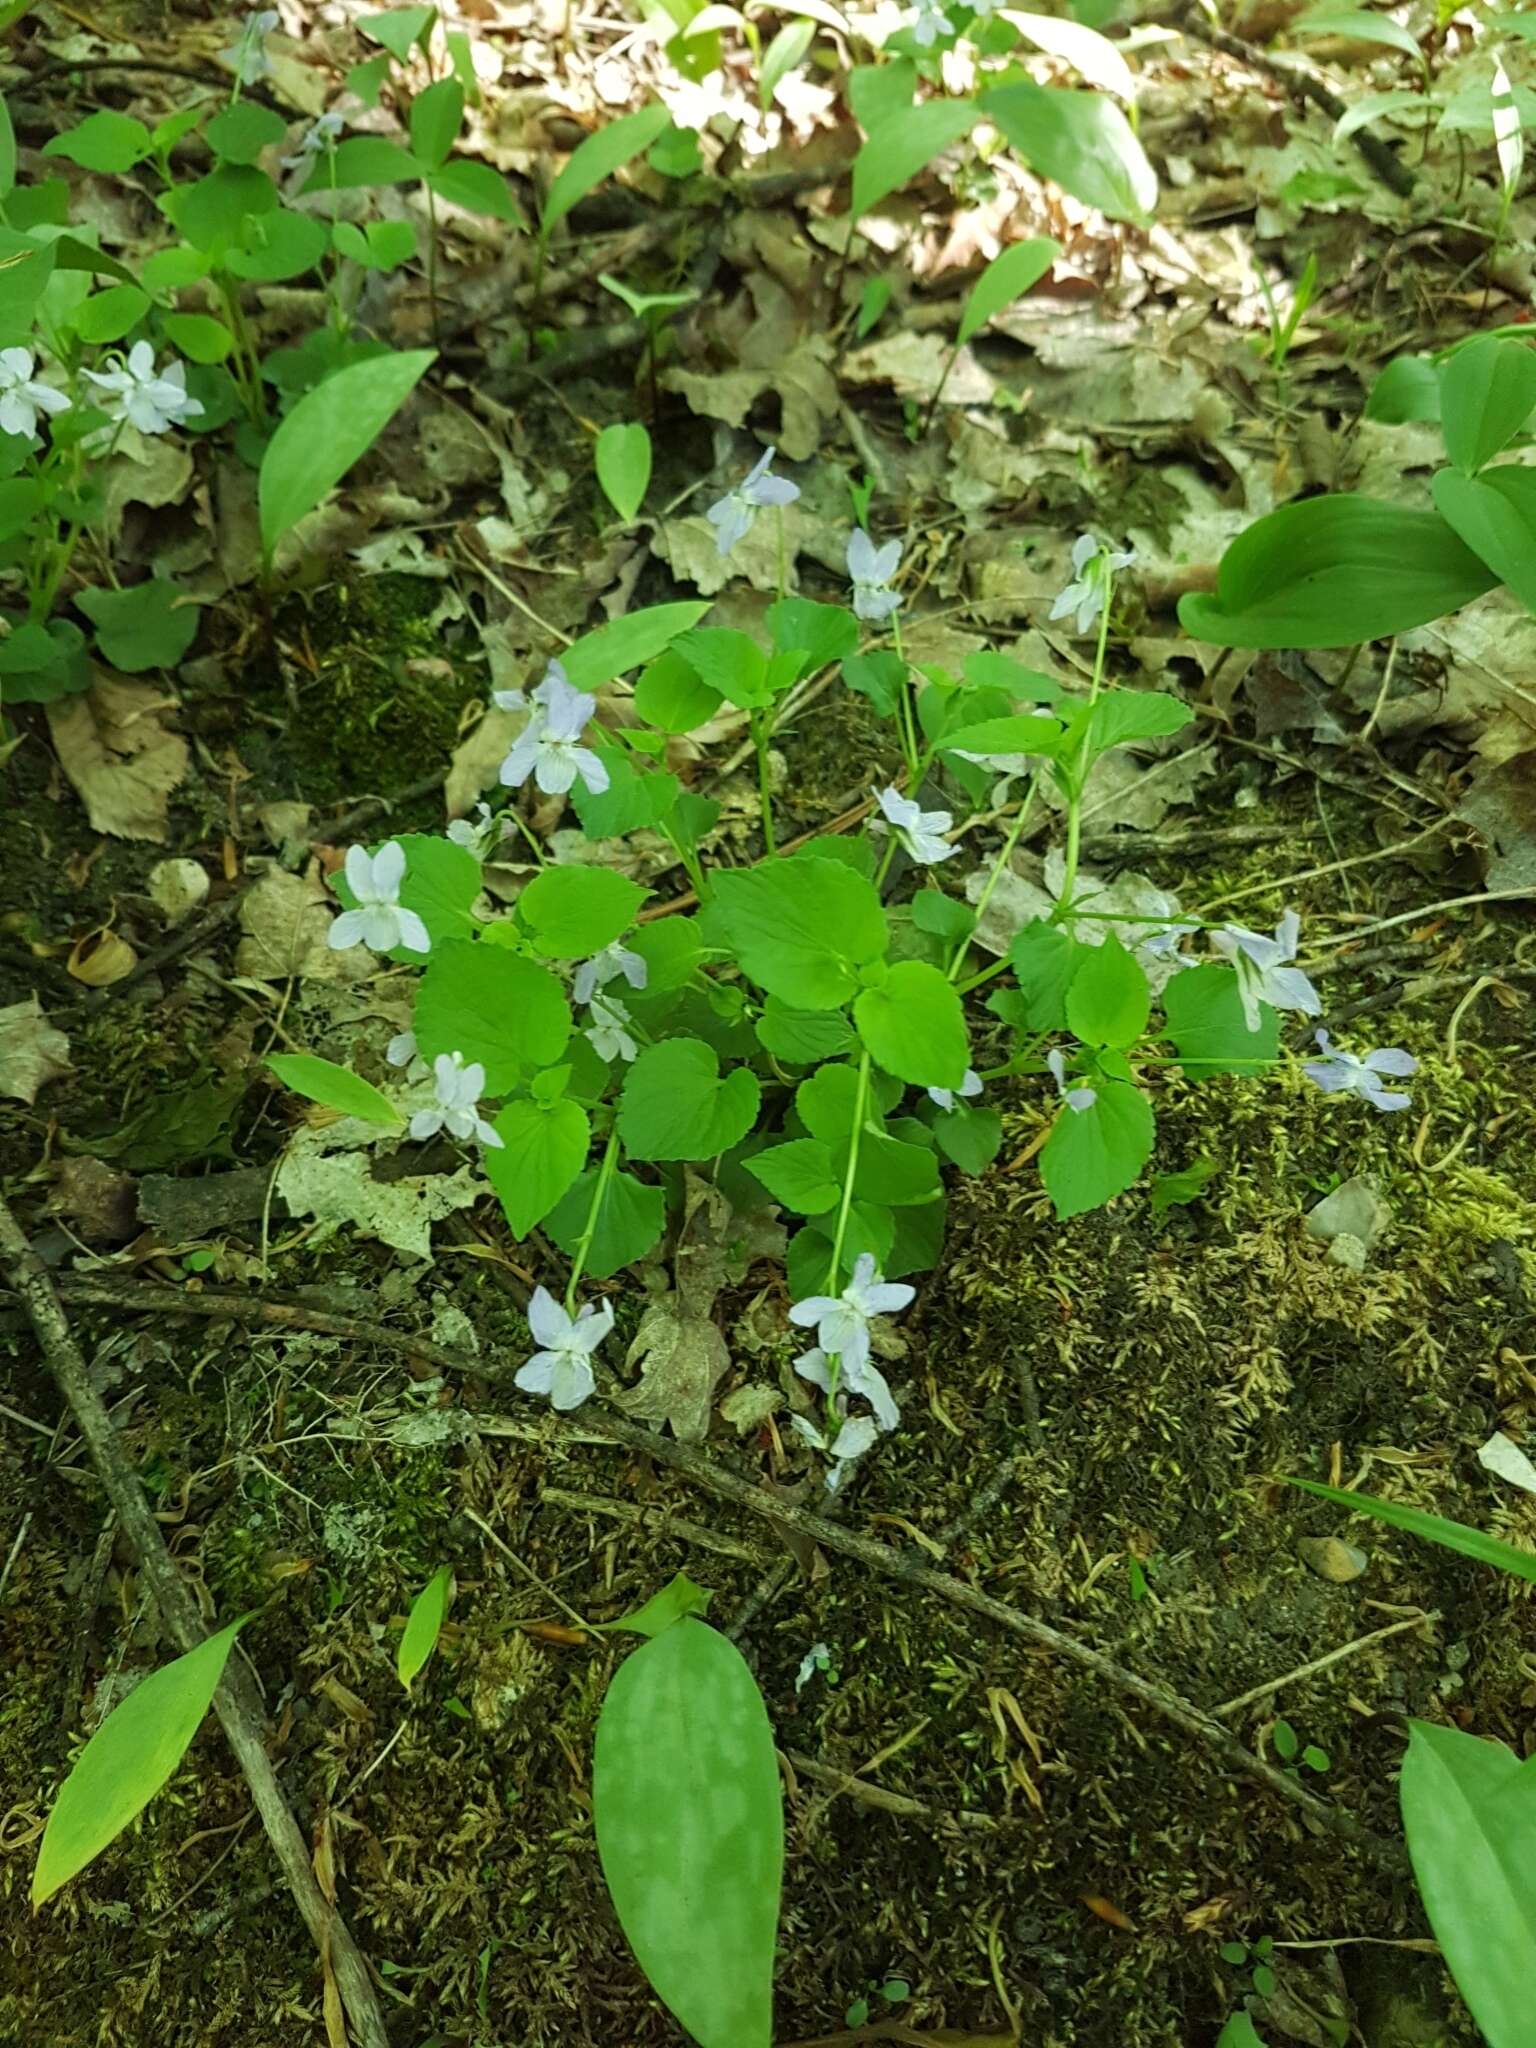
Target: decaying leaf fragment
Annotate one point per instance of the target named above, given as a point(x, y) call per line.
point(33, 1052)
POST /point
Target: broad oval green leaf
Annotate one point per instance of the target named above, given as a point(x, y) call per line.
point(677, 1105)
point(424, 1624)
point(801, 928)
point(1109, 1000)
point(629, 1221)
point(1006, 278)
point(1487, 391)
point(329, 429)
point(914, 1026)
point(623, 460)
point(436, 116)
point(338, 1088)
point(507, 1013)
point(126, 1762)
point(613, 650)
point(1407, 389)
point(598, 158)
point(109, 315)
point(1490, 517)
point(1094, 56)
point(148, 625)
point(1333, 571)
point(1469, 1812)
point(477, 187)
point(1457, 1536)
point(1204, 1011)
point(362, 160)
point(1083, 141)
point(574, 911)
point(690, 1830)
point(901, 144)
point(1096, 1153)
point(399, 29)
point(1360, 27)
point(104, 141)
point(543, 1148)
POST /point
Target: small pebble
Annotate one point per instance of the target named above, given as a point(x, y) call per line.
point(1331, 1558)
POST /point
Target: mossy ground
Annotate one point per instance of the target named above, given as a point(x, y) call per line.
point(1176, 1366)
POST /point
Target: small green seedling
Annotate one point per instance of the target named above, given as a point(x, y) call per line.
point(890, 1991)
point(424, 1624)
point(1290, 1750)
point(623, 460)
point(1255, 1959)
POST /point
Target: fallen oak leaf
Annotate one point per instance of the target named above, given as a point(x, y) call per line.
point(120, 756)
point(33, 1052)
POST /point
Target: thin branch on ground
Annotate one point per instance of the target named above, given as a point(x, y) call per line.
point(236, 1702)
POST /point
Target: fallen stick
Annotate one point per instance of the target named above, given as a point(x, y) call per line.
point(236, 1702)
point(591, 1426)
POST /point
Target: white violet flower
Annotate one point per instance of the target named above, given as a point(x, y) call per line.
point(1093, 567)
point(248, 56)
point(870, 570)
point(842, 1321)
point(607, 1031)
point(151, 400)
point(555, 678)
point(865, 1379)
point(402, 1049)
point(1342, 1073)
point(459, 1089)
point(478, 834)
point(379, 920)
point(1264, 972)
point(945, 1097)
point(929, 23)
point(817, 1658)
point(614, 960)
point(320, 135)
point(1079, 1096)
point(920, 833)
point(562, 1366)
point(856, 1436)
point(549, 746)
point(732, 515)
point(23, 396)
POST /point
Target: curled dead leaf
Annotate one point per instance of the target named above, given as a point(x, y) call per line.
point(100, 958)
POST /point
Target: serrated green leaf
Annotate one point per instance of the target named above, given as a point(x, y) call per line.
point(893, 1173)
point(731, 663)
point(596, 159)
point(801, 928)
point(914, 1026)
point(105, 141)
point(1203, 1007)
point(574, 912)
point(803, 1037)
point(239, 133)
point(1094, 1154)
point(131, 1756)
point(629, 1221)
point(672, 696)
point(969, 1135)
point(1171, 1190)
point(330, 429)
point(823, 632)
point(1006, 278)
point(1108, 1001)
point(677, 1105)
point(880, 677)
point(689, 1824)
point(1120, 717)
point(799, 1175)
point(543, 1148)
point(146, 626)
point(623, 459)
point(424, 1624)
point(495, 1007)
point(1044, 958)
point(338, 1088)
point(825, 1100)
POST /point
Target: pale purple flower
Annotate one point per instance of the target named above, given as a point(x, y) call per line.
point(870, 570)
point(479, 833)
point(929, 24)
point(380, 920)
point(549, 746)
point(1093, 568)
point(459, 1089)
point(865, 1379)
point(1264, 972)
point(732, 515)
point(841, 1321)
point(320, 135)
point(853, 1439)
point(613, 961)
point(403, 1051)
point(919, 832)
point(248, 56)
point(23, 396)
point(607, 1030)
point(562, 1366)
point(945, 1097)
point(151, 400)
point(817, 1658)
point(1077, 1097)
point(1342, 1073)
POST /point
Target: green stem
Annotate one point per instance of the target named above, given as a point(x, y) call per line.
point(599, 1196)
point(778, 520)
point(860, 1097)
point(759, 730)
point(1079, 776)
point(437, 334)
point(905, 718)
point(1005, 854)
point(933, 403)
point(690, 861)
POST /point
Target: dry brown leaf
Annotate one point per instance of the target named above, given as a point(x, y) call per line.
point(806, 389)
point(478, 756)
point(682, 1359)
point(115, 747)
point(33, 1052)
point(100, 958)
point(1501, 804)
point(285, 919)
